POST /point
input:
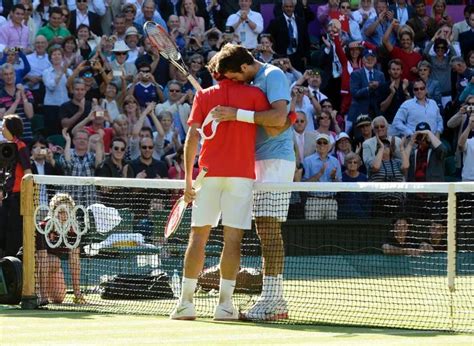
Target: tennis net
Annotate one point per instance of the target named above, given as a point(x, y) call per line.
point(370, 254)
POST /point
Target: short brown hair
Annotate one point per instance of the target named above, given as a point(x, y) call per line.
point(14, 124)
point(232, 57)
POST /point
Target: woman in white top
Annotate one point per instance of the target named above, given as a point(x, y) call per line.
point(56, 93)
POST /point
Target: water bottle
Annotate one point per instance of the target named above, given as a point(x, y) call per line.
point(176, 284)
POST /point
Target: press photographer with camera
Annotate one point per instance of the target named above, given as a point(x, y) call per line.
point(12, 221)
point(466, 144)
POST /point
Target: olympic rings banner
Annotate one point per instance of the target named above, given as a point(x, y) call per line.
point(61, 225)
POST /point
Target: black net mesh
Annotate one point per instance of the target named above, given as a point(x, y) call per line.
point(352, 257)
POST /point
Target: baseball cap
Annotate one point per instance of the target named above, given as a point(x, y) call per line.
point(342, 135)
point(369, 52)
point(323, 136)
point(363, 119)
point(423, 126)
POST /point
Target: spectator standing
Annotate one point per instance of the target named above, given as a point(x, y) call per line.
point(189, 21)
point(462, 25)
point(464, 76)
point(146, 167)
point(178, 104)
point(132, 39)
point(53, 31)
point(149, 13)
point(466, 144)
point(247, 24)
point(291, 35)
point(394, 91)
point(15, 34)
point(365, 87)
point(440, 64)
point(120, 66)
point(55, 81)
point(352, 205)
point(80, 162)
point(439, 14)
point(81, 15)
point(302, 100)
point(432, 86)
point(466, 38)
point(39, 62)
point(423, 26)
point(369, 146)
point(12, 223)
point(321, 167)
point(405, 52)
point(264, 51)
point(15, 99)
point(73, 111)
point(401, 11)
point(416, 110)
point(342, 148)
point(375, 28)
point(304, 140)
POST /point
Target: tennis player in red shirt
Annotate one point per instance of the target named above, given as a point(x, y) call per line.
point(227, 189)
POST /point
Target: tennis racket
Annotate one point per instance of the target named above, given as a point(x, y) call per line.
point(161, 40)
point(177, 212)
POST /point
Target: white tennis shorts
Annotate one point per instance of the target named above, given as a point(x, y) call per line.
point(273, 204)
point(230, 196)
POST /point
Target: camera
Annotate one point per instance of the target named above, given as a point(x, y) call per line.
point(8, 154)
point(470, 109)
point(99, 114)
point(43, 152)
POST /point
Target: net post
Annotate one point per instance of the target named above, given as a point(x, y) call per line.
point(451, 256)
point(28, 299)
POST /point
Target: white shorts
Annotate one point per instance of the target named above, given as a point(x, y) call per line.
point(230, 196)
point(273, 204)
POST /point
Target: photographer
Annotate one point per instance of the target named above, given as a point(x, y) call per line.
point(12, 222)
point(13, 55)
point(466, 144)
point(302, 102)
point(264, 51)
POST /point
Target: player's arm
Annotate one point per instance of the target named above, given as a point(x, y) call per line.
point(276, 116)
point(190, 151)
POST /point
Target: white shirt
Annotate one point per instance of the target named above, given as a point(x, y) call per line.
point(82, 19)
point(468, 168)
point(248, 37)
point(300, 143)
point(38, 64)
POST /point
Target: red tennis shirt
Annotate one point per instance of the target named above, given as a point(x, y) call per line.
point(231, 152)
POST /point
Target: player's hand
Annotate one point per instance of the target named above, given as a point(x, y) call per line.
point(189, 193)
point(222, 113)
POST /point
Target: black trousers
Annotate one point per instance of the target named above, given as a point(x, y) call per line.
point(13, 224)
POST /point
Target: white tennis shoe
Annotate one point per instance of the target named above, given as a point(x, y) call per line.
point(226, 312)
point(267, 310)
point(184, 311)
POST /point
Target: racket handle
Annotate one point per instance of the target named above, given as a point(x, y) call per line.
point(198, 182)
point(194, 82)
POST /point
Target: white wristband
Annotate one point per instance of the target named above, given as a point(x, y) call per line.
point(245, 116)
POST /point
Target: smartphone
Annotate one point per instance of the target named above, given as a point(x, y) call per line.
point(117, 73)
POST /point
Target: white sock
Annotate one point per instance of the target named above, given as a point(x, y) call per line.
point(226, 290)
point(188, 288)
point(272, 287)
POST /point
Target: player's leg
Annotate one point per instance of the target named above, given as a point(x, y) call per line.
point(75, 268)
point(206, 214)
point(56, 278)
point(271, 209)
point(236, 202)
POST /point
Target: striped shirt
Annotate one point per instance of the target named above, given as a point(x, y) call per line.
point(6, 101)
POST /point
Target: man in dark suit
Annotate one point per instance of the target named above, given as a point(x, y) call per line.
point(365, 86)
point(290, 35)
point(81, 15)
point(466, 38)
point(402, 11)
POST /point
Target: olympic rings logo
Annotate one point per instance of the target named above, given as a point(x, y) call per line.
point(57, 229)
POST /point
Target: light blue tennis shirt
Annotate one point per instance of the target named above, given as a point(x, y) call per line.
point(273, 82)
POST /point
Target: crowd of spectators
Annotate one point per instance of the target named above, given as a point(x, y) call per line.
point(384, 92)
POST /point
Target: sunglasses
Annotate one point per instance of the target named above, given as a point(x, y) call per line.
point(174, 90)
point(28, 9)
point(300, 121)
point(147, 147)
point(119, 148)
point(196, 62)
point(322, 143)
point(345, 7)
point(120, 53)
point(129, 11)
point(379, 127)
point(470, 104)
point(145, 71)
point(419, 89)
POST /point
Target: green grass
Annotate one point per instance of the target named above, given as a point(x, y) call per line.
point(396, 302)
point(19, 327)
